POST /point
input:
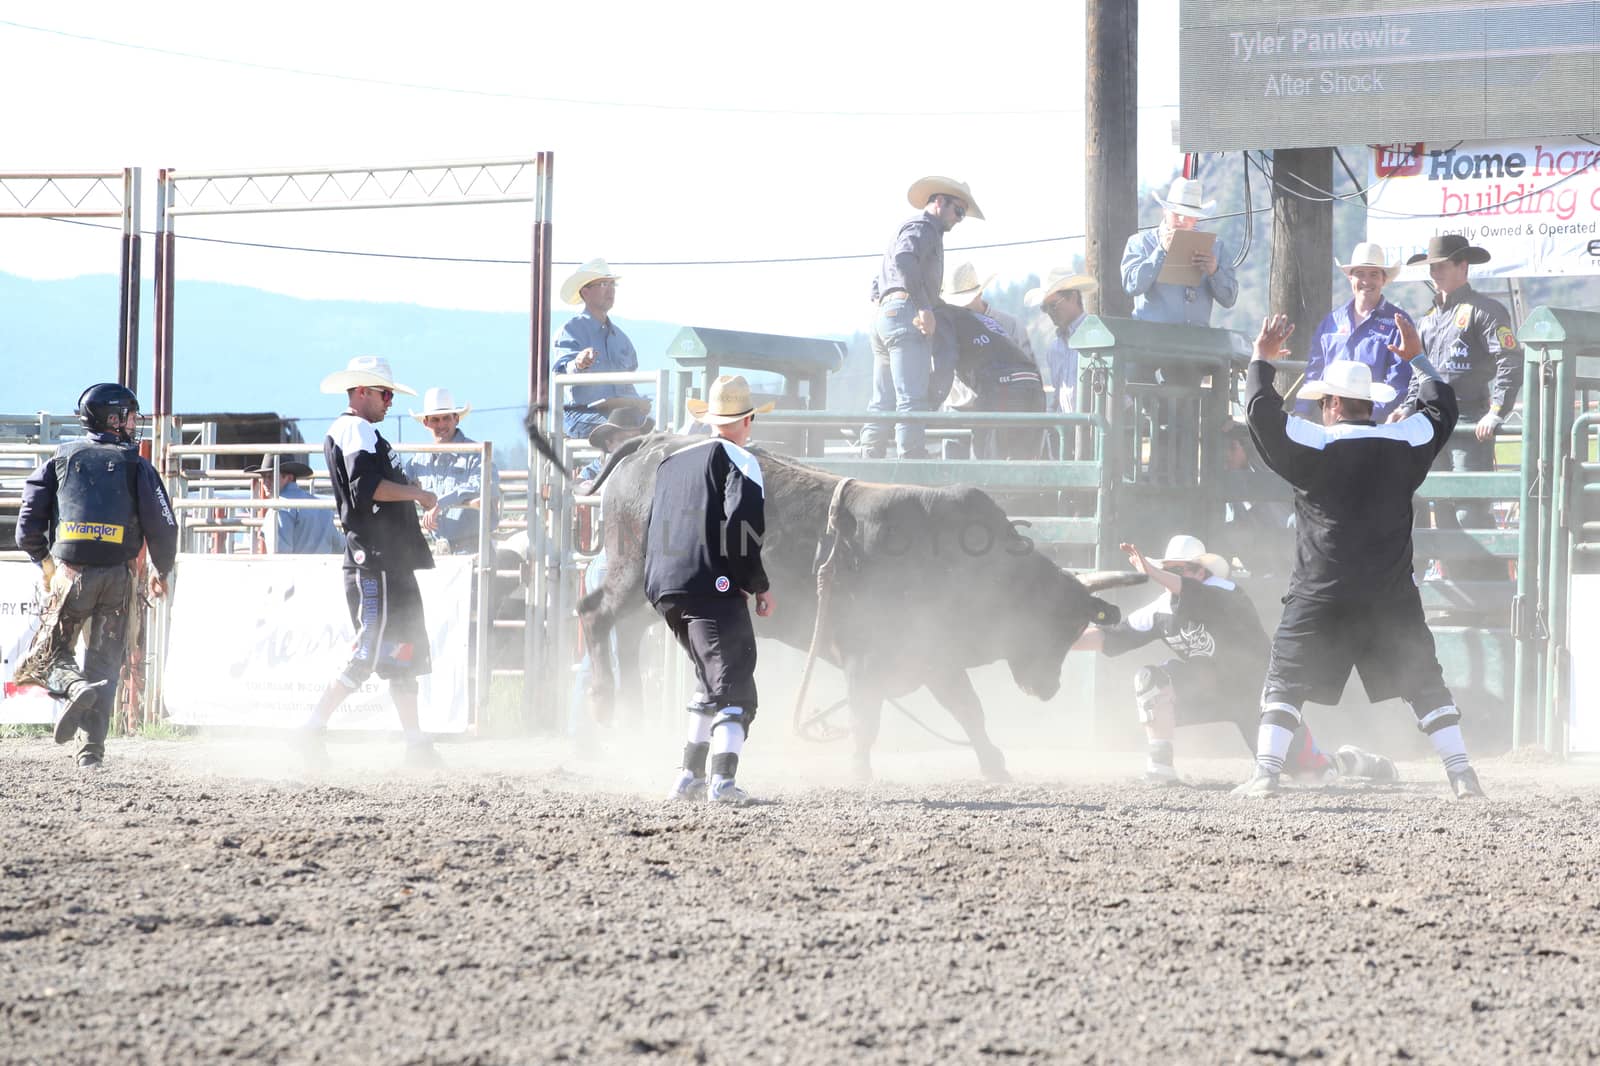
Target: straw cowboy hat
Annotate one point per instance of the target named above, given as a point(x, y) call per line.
point(1368, 254)
point(1348, 378)
point(1059, 281)
point(593, 270)
point(1186, 549)
point(965, 283)
point(1185, 198)
point(440, 402)
point(286, 466)
point(924, 189)
point(622, 423)
point(1450, 246)
point(371, 371)
point(729, 402)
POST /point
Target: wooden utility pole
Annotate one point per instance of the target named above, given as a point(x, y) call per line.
point(1302, 240)
point(1111, 134)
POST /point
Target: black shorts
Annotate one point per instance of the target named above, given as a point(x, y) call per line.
point(1318, 643)
point(391, 632)
point(717, 633)
point(1204, 692)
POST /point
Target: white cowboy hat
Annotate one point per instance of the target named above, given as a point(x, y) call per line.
point(965, 282)
point(1368, 254)
point(593, 270)
point(924, 189)
point(1348, 378)
point(729, 402)
point(1059, 282)
point(1185, 198)
point(1186, 549)
point(364, 370)
point(440, 402)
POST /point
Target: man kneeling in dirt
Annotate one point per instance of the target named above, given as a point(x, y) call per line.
point(1221, 647)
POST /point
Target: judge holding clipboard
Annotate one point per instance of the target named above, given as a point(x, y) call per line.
point(1175, 273)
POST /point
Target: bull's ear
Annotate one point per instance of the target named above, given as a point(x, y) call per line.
point(1106, 614)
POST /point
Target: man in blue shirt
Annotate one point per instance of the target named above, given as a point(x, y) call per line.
point(905, 293)
point(456, 478)
point(298, 530)
point(591, 343)
point(1146, 253)
point(1362, 330)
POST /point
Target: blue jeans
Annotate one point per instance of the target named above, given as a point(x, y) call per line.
point(902, 369)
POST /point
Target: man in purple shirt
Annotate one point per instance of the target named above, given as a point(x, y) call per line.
point(905, 292)
point(1362, 330)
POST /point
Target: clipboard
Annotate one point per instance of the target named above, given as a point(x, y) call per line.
point(1178, 268)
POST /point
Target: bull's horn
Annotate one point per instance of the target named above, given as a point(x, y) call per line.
point(1096, 580)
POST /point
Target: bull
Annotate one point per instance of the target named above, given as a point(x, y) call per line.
point(926, 584)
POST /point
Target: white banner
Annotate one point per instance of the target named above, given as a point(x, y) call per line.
point(1583, 629)
point(254, 641)
point(1534, 205)
point(21, 601)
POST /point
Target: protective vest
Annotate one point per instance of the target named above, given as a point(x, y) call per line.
point(97, 509)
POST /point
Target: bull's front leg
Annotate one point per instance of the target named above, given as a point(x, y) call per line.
point(866, 713)
point(954, 690)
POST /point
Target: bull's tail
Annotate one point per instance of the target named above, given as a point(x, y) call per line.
point(540, 442)
point(625, 449)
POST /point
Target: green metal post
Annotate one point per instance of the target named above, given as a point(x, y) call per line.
point(1559, 573)
point(1527, 659)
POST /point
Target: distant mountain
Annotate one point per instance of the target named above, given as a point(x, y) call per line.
point(243, 349)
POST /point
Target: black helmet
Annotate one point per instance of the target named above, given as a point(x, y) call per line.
point(100, 403)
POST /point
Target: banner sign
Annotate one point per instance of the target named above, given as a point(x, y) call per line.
point(1291, 74)
point(21, 602)
point(254, 641)
point(1535, 205)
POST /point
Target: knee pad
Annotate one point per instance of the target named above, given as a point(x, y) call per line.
point(1150, 685)
point(745, 716)
point(403, 684)
point(702, 707)
point(1438, 718)
point(1282, 714)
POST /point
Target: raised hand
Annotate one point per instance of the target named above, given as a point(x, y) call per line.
point(1275, 333)
point(1410, 342)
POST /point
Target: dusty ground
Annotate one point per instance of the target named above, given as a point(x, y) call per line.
point(196, 903)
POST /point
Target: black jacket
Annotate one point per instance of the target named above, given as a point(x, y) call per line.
point(378, 535)
point(1468, 337)
point(707, 519)
point(1211, 621)
point(1353, 485)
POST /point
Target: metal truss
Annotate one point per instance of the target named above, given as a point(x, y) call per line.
point(348, 188)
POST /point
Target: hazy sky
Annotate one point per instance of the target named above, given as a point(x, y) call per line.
point(718, 131)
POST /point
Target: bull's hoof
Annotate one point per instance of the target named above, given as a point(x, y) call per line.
point(994, 768)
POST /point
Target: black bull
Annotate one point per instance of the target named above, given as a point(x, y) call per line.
point(926, 585)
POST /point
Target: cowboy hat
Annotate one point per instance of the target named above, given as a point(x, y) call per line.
point(1186, 549)
point(621, 424)
point(729, 402)
point(369, 371)
point(1058, 282)
point(1348, 378)
point(593, 270)
point(286, 466)
point(440, 402)
point(1370, 254)
point(965, 282)
point(924, 189)
point(1450, 246)
point(606, 404)
point(1185, 198)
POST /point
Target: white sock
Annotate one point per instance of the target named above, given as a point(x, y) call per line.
point(728, 739)
point(1272, 747)
point(699, 728)
point(1451, 747)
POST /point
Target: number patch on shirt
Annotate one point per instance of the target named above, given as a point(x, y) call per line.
point(1507, 339)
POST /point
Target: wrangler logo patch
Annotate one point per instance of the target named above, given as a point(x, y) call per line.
point(103, 531)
